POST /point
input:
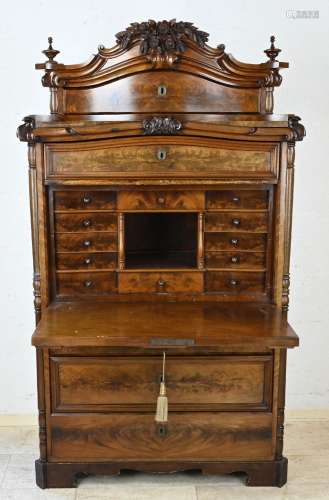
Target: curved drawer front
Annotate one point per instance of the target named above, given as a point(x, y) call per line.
point(97, 383)
point(161, 156)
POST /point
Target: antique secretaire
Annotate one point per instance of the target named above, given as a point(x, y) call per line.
point(161, 202)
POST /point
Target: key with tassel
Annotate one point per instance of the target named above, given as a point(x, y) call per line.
point(161, 414)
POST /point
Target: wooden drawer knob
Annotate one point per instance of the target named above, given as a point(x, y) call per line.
point(235, 259)
point(161, 285)
point(236, 199)
point(86, 199)
point(86, 223)
point(87, 243)
point(87, 261)
point(236, 222)
point(233, 282)
point(88, 283)
point(235, 241)
point(161, 154)
point(161, 200)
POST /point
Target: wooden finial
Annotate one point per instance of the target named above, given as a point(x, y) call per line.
point(272, 53)
point(51, 53)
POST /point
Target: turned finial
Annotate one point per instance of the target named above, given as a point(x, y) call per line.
point(51, 53)
point(272, 53)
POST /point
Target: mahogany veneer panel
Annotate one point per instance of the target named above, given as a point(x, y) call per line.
point(137, 437)
point(161, 200)
point(86, 261)
point(83, 222)
point(136, 324)
point(234, 199)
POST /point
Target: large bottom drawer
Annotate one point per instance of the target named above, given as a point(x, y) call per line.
point(187, 436)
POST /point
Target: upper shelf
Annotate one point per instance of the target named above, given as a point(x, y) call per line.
point(159, 67)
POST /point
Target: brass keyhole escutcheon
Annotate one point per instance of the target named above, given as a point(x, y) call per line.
point(161, 154)
point(162, 90)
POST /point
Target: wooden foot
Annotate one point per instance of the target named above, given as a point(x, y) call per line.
point(66, 475)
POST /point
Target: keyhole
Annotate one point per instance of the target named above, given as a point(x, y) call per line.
point(162, 90)
point(161, 154)
point(162, 430)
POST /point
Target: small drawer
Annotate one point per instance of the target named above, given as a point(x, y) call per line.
point(235, 282)
point(160, 282)
point(102, 242)
point(161, 200)
point(223, 382)
point(237, 221)
point(236, 260)
point(86, 261)
point(82, 222)
point(231, 241)
point(244, 199)
point(80, 284)
point(84, 200)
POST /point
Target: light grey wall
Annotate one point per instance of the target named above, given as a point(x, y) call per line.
point(245, 27)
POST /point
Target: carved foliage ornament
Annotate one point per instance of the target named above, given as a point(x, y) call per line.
point(161, 126)
point(162, 37)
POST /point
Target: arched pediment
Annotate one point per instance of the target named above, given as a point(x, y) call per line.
point(148, 54)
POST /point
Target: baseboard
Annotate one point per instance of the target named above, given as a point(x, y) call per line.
point(18, 420)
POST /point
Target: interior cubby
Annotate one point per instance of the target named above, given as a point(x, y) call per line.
point(161, 240)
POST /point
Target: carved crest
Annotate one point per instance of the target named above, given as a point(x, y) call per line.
point(162, 38)
point(161, 126)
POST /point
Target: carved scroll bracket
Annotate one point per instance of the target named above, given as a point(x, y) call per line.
point(25, 131)
point(161, 126)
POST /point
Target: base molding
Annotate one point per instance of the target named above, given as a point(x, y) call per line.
point(66, 475)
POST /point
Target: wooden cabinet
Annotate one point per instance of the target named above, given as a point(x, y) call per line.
point(161, 209)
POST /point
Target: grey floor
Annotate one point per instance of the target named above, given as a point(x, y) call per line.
point(306, 446)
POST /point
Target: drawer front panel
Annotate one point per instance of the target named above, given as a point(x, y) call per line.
point(160, 200)
point(86, 261)
point(139, 157)
point(86, 284)
point(188, 436)
point(237, 199)
point(239, 241)
point(235, 282)
point(103, 242)
point(237, 221)
point(82, 222)
point(84, 200)
point(160, 282)
point(93, 384)
point(236, 260)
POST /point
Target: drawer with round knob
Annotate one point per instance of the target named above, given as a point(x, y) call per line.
point(235, 282)
point(80, 284)
point(84, 200)
point(235, 242)
point(236, 260)
point(83, 222)
point(237, 199)
point(161, 200)
point(237, 221)
point(91, 242)
point(161, 282)
point(86, 261)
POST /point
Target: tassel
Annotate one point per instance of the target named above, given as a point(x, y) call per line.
point(161, 415)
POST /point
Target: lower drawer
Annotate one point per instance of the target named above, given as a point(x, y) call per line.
point(235, 282)
point(187, 436)
point(88, 284)
point(160, 282)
